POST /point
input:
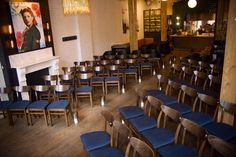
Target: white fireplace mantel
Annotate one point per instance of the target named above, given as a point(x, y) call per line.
point(29, 62)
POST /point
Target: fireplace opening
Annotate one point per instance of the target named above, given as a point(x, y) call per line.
point(35, 78)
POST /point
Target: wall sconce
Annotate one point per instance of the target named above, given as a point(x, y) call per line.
point(192, 3)
point(177, 20)
point(48, 32)
point(7, 29)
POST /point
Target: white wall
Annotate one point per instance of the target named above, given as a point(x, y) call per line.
point(63, 26)
point(96, 32)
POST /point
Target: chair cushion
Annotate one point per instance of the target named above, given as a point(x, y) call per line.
point(112, 78)
point(83, 89)
point(180, 107)
point(155, 92)
point(106, 152)
point(221, 130)
point(97, 79)
point(143, 123)
point(129, 112)
point(94, 140)
point(60, 104)
point(167, 99)
point(39, 104)
point(159, 137)
point(20, 104)
point(4, 104)
point(146, 64)
point(200, 118)
point(177, 150)
point(130, 71)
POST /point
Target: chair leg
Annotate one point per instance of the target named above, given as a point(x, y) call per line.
point(10, 118)
point(119, 87)
point(49, 118)
point(103, 89)
point(26, 117)
point(30, 119)
point(91, 99)
point(45, 116)
point(106, 88)
point(66, 117)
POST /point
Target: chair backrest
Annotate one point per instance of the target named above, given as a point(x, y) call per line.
point(4, 91)
point(41, 92)
point(216, 69)
point(66, 79)
point(118, 62)
point(120, 135)
point(170, 113)
point(136, 146)
point(133, 56)
point(213, 83)
point(99, 70)
point(141, 95)
point(21, 89)
point(85, 76)
point(62, 92)
point(130, 61)
point(97, 58)
point(203, 66)
point(122, 56)
point(162, 82)
point(199, 78)
point(189, 92)
point(187, 74)
point(50, 79)
point(206, 102)
point(227, 107)
point(194, 129)
point(224, 148)
point(193, 63)
point(68, 70)
point(84, 69)
point(108, 117)
point(176, 70)
point(90, 63)
point(104, 62)
point(173, 88)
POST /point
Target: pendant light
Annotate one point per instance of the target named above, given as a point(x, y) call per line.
point(192, 3)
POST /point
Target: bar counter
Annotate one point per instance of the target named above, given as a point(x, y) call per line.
point(194, 43)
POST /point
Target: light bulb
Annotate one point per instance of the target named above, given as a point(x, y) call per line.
point(192, 3)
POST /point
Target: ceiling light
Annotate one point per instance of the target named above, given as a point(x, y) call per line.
point(192, 3)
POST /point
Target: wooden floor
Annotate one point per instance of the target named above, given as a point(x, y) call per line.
point(59, 140)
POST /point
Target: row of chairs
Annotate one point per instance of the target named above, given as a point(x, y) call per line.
point(161, 139)
point(49, 101)
point(119, 144)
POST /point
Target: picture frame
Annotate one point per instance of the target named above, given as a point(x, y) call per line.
point(27, 26)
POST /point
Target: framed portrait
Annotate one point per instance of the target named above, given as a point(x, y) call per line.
point(27, 25)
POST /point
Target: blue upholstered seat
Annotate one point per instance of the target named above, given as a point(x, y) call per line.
point(200, 118)
point(83, 89)
point(143, 123)
point(61, 104)
point(112, 78)
point(106, 152)
point(39, 104)
point(221, 130)
point(146, 64)
point(180, 107)
point(159, 137)
point(95, 140)
point(4, 104)
point(177, 150)
point(129, 112)
point(155, 92)
point(130, 70)
point(21, 104)
point(167, 99)
point(97, 79)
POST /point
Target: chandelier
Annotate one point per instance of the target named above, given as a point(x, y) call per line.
point(76, 6)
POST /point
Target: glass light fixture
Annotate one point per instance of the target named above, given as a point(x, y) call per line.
point(192, 3)
point(76, 6)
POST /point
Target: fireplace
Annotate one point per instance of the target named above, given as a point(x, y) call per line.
point(26, 63)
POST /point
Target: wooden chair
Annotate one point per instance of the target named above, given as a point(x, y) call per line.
point(212, 85)
point(98, 139)
point(50, 79)
point(219, 145)
point(4, 104)
point(175, 71)
point(69, 70)
point(145, 64)
point(98, 79)
point(19, 107)
point(84, 91)
point(61, 104)
point(131, 70)
point(139, 147)
point(187, 74)
point(112, 80)
point(182, 150)
point(38, 107)
point(203, 66)
point(199, 79)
